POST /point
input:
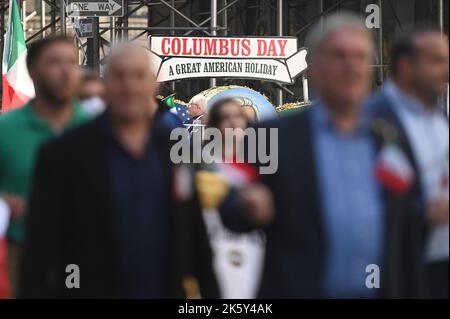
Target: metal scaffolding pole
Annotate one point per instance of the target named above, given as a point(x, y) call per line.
point(172, 32)
point(172, 17)
point(225, 18)
point(62, 12)
point(43, 17)
point(209, 19)
point(279, 33)
point(112, 31)
point(321, 16)
point(380, 45)
point(2, 30)
point(213, 81)
point(24, 17)
point(53, 17)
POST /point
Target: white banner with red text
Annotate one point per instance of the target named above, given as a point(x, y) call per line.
point(275, 59)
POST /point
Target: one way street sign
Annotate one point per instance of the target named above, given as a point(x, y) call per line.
point(94, 8)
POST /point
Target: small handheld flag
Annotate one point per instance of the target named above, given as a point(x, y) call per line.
point(394, 170)
point(17, 85)
point(170, 100)
point(182, 112)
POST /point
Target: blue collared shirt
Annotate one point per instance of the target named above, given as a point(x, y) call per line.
point(352, 205)
point(427, 132)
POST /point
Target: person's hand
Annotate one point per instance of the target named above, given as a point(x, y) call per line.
point(259, 204)
point(437, 212)
point(211, 188)
point(16, 204)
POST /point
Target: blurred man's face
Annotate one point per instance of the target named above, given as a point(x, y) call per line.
point(130, 84)
point(341, 68)
point(92, 88)
point(56, 74)
point(431, 69)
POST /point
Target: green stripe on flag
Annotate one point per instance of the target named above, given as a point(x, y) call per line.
point(170, 101)
point(16, 39)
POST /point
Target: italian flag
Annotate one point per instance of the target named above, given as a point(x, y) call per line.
point(394, 170)
point(17, 85)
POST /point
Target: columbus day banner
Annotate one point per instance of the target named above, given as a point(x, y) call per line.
point(266, 58)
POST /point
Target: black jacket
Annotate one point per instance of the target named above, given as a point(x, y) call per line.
point(296, 245)
point(71, 221)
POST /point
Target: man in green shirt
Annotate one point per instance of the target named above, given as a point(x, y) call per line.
point(53, 67)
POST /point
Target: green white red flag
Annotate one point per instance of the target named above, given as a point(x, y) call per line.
point(17, 85)
point(394, 170)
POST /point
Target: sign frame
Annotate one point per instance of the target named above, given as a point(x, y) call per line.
point(290, 75)
point(106, 8)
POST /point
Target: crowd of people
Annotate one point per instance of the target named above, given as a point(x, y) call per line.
point(357, 208)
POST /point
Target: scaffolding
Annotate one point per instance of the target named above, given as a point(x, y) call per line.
point(143, 18)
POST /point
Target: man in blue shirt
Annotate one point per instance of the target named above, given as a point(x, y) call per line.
point(333, 230)
point(351, 202)
point(409, 101)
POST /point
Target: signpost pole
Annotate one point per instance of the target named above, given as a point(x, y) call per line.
point(125, 22)
point(96, 44)
point(213, 82)
point(93, 48)
point(280, 33)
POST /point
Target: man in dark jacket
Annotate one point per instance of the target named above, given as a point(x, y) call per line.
point(103, 219)
point(338, 229)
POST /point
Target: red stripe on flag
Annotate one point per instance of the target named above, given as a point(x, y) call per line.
point(250, 171)
point(4, 284)
point(10, 98)
point(6, 100)
point(392, 181)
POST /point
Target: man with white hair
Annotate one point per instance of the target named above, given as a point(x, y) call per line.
point(333, 229)
point(103, 219)
point(197, 106)
point(196, 109)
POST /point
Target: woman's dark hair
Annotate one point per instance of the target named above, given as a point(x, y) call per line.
point(214, 112)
